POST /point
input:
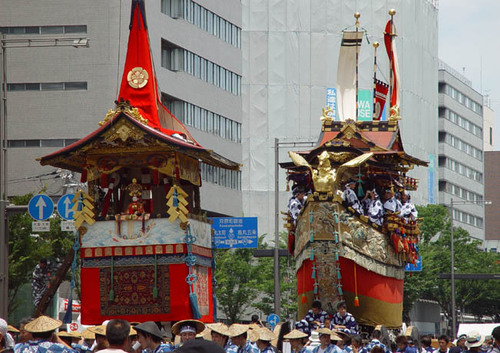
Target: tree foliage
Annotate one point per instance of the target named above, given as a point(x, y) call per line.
point(478, 297)
point(244, 281)
point(26, 249)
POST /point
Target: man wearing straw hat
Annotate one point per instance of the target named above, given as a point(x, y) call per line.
point(187, 329)
point(296, 339)
point(220, 335)
point(325, 336)
point(42, 330)
point(239, 336)
point(264, 341)
point(150, 337)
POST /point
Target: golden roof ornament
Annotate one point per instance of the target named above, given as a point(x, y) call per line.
point(125, 107)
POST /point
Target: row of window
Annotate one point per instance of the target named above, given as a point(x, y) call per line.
point(463, 169)
point(462, 193)
point(44, 29)
point(178, 59)
point(205, 120)
point(203, 19)
point(40, 143)
point(467, 218)
point(463, 122)
point(463, 146)
point(48, 86)
point(220, 176)
point(462, 98)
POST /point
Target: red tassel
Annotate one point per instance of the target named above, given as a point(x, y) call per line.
point(104, 180)
point(356, 301)
point(303, 300)
point(83, 177)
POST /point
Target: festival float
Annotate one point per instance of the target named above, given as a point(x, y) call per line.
point(340, 253)
point(145, 248)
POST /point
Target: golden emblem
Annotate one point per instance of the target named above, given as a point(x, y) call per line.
point(137, 77)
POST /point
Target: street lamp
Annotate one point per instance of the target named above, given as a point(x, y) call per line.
point(4, 239)
point(452, 269)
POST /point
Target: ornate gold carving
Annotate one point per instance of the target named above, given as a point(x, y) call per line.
point(123, 131)
point(137, 77)
point(394, 113)
point(324, 174)
point(325, 118)
point(125, 107)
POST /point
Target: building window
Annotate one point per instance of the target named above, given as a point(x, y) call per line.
point(203, 119)
point(178, 59)
point(223, 177)
point(40, 143)
point(74, 29)
point(48, 86)
point(204, 19)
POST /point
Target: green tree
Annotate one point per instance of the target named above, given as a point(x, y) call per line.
point(244, 281)
point(237, 275)
point(288, 282)
point(26, 249)
point(436, 259)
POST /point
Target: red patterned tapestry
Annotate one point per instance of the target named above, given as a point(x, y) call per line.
point(133, 290)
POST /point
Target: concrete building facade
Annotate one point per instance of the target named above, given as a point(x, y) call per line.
point(58, 95)
point(461, 157)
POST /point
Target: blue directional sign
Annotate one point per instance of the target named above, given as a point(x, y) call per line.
point(40, 207)
point(64, 207)
point(414, 268)
point(273, 319)
point(235, 232)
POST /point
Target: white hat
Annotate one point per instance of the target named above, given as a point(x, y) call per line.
point(314, 338)
point(474, 339)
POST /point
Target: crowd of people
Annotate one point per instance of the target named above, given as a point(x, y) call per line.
point(371, 205)
point(44, 335)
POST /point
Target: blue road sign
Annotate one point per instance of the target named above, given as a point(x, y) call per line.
point(414, 268)
point(40, 207)
point(273, 319)
point(64, 207)
point(235, 232)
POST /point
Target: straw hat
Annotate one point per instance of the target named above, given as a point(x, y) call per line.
point(133, 332)
point(98, 330)
point(219, 328)
point(88, 335)
point(474, 339)
point(205, 334)
point(265, 335)
point(295, 334)
point(341, 333)
point(196, 326)
point(324, 331)
point(334, 336)
point(69, 334)
point(237, 330)
point(12, 329)
point(253, 332)
point(149, 327)
point(42, 324)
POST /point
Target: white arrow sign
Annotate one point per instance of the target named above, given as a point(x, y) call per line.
point(40, 204)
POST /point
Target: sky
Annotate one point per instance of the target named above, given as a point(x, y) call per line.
point(469, 42)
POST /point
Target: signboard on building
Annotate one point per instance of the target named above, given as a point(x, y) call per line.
point(235, 232)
